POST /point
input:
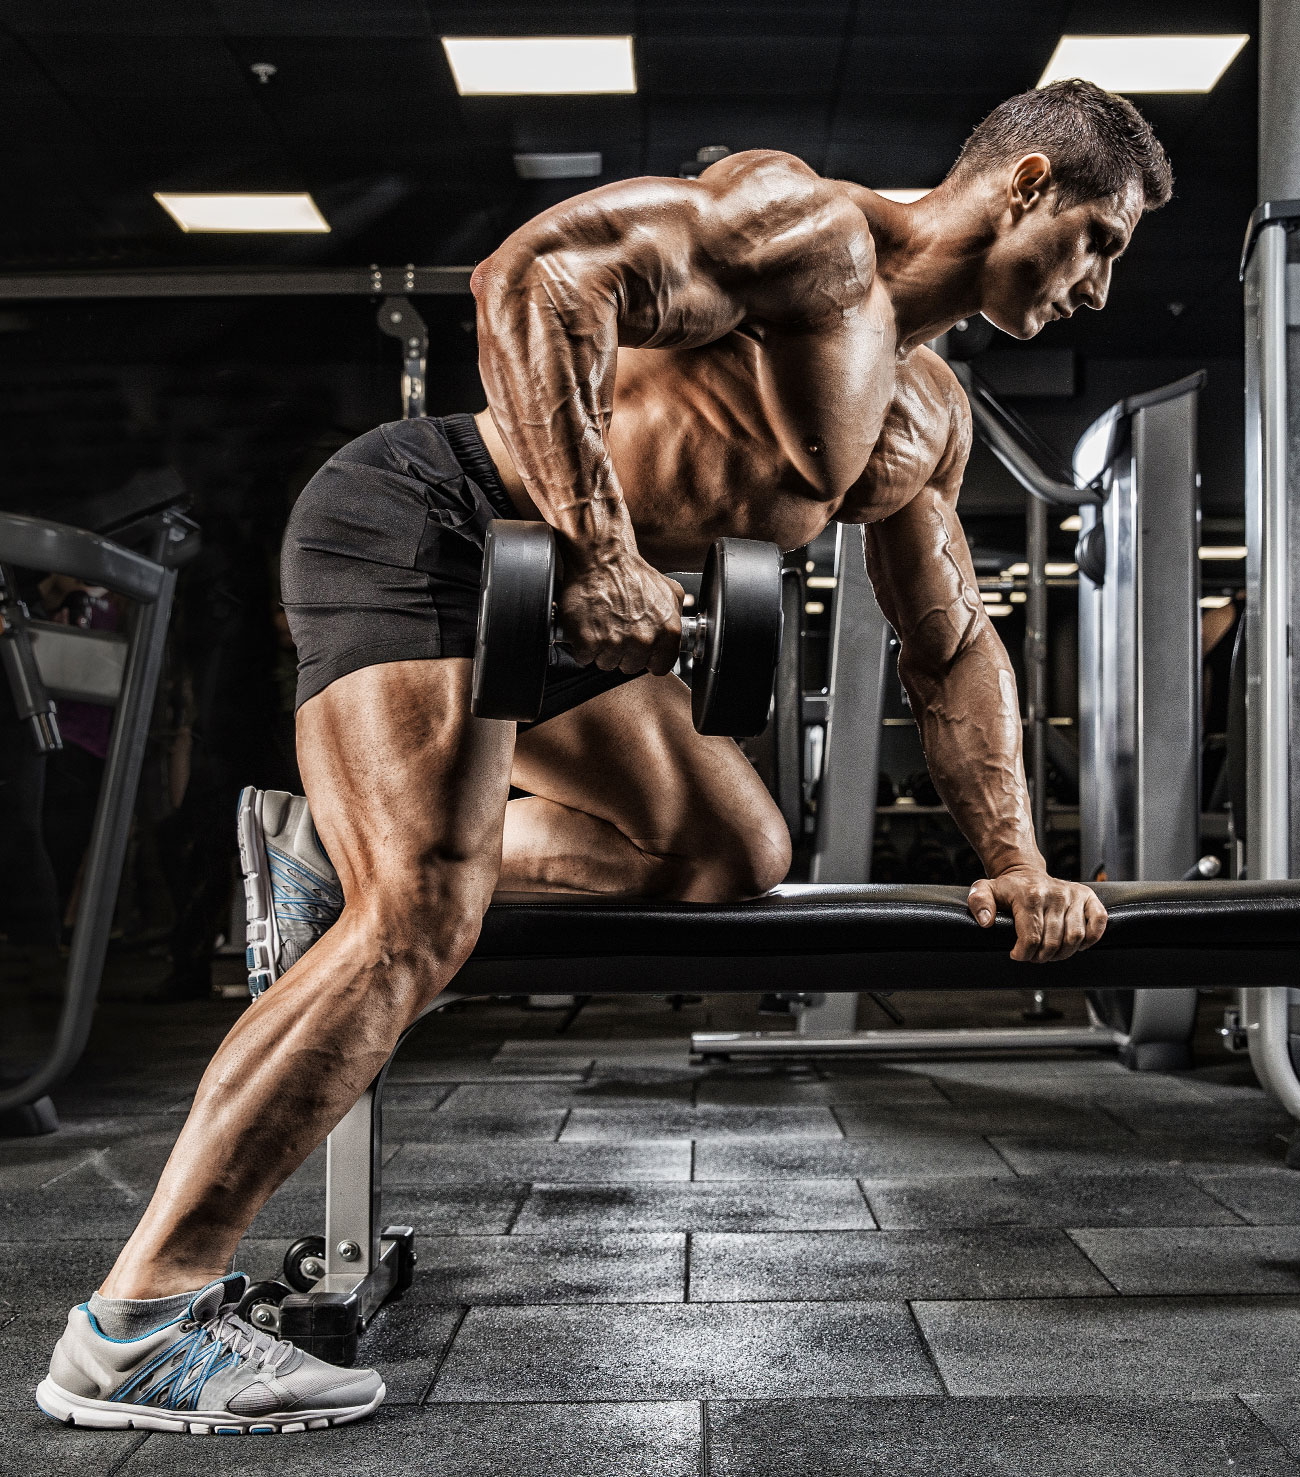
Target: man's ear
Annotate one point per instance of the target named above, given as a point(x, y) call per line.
point(1031, 178)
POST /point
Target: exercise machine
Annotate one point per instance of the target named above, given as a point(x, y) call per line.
point(1139, 700)
point(140, 541)
point(1140, 681)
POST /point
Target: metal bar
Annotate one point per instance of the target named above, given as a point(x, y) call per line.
point(353, 1187)
point(1264, 1013)
point(1036, 661)
point(846, 801)
point(1269, 791)
point(768, 1043)
point(788, 717)
point(1019, 451)
point(36, 543)
point(1268, 852)
point(399, 320)
point(237, 282)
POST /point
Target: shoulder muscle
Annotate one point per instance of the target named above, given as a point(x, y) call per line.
point(778, 223)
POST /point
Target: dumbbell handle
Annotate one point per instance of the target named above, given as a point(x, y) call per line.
point(694, 630)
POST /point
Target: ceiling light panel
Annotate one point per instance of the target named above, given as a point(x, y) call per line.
point(1144, 63)
point(485, 66)
point(207, 212)
point(904, 197)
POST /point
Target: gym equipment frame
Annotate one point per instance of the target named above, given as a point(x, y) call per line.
point(1270, 272)
point(1135, 721)
point(45, 661)
point(396, 316)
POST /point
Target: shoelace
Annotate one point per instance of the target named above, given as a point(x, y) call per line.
point(232, 1332)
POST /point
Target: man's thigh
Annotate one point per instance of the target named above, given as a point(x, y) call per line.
point(403, 782)
point(632, 757)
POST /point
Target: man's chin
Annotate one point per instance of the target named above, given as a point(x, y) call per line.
point(1025, 328)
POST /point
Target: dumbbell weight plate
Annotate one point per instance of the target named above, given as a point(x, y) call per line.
point(513, 644)
point(740, 600)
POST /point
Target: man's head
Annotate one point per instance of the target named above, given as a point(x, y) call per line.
point(1070, 168)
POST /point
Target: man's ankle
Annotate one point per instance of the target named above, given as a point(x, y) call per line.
point(149, 1283)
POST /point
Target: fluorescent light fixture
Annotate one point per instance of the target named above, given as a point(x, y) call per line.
point(821, 582)
point(814, 607)
point(904, 197)
point(1072, 524)
point(1215, 602)
point(992, 597)
point(495, 65)
point(557, 166)
point(1060, 571)
point(1222, 551)
point(1016, 571)
point(1018, 597)
point(242, 212)
point(1144, 63)
point(997, 610)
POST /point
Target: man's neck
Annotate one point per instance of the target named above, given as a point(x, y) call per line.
point(930, 255)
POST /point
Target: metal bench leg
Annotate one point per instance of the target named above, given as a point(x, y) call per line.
point(364, 1264)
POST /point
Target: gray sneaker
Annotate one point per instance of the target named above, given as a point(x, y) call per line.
point(291, 892)
point(208, 1372)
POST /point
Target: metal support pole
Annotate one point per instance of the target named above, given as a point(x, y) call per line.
point(1272, 509)
point(846, 801)
point(1268, 689)
point(1036, 662)
point(353, 1186)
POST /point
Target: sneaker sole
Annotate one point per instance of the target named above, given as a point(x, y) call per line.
point(261, 937)
point(110, 1415)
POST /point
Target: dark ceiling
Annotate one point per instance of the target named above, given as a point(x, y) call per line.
point(104, 101)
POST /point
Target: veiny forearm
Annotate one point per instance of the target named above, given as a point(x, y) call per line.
point(969, 718)
point(547, 349)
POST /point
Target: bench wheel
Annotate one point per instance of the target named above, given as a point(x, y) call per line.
point(260, 1305)
point(304, 1263)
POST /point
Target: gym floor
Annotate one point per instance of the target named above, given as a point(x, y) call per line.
point(632, 1265)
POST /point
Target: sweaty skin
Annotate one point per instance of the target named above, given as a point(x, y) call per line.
point(668, 361)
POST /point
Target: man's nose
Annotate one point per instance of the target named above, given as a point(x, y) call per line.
point(1093, 291)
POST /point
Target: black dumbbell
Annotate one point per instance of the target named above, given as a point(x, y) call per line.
point(733, 643)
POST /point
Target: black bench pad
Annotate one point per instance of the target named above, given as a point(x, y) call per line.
point(876, 936)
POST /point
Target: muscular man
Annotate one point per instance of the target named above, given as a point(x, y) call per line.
point(665, 361)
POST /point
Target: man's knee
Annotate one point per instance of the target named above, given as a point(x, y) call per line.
point(417, 935)
point(749, 864)
point(726, 864)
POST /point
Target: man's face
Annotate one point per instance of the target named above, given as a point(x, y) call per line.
point(1045, 264)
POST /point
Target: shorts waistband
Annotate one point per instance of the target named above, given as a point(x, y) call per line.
point(471, 452)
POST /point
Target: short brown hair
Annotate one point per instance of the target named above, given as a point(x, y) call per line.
point(1097, 141)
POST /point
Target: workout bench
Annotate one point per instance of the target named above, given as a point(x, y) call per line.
point(800, 937)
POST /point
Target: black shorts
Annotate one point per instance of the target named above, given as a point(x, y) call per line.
point(383, 558)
